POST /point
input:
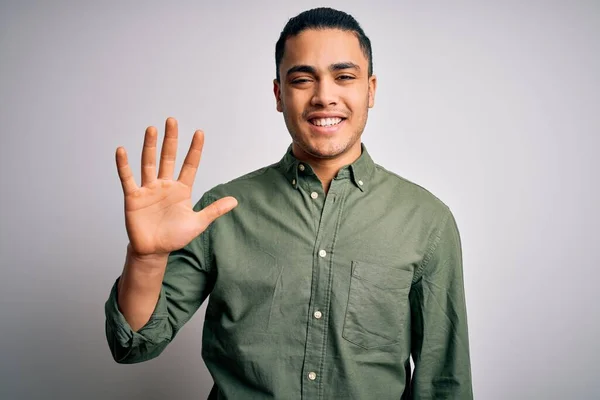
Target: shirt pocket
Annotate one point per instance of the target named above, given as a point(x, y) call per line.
point(377, 304)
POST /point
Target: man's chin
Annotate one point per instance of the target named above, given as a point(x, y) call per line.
point(324, 152)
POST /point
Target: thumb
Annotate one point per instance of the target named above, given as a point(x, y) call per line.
point(215, 210)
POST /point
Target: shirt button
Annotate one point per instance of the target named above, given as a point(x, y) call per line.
point(360, 183)
point(312, 376)
point(314, 195)
point(322, 253)
point(301, 167)
point(318, 314)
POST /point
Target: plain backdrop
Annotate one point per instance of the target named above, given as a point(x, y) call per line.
point(494, 106)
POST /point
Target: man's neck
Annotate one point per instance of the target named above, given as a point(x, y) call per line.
point(327, 168)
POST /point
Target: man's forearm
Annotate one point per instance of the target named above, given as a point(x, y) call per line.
point(139, 287)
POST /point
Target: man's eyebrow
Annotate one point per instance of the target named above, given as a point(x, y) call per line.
point(343, 65)
point(333, 67)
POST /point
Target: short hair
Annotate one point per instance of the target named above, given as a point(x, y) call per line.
point(322, 18)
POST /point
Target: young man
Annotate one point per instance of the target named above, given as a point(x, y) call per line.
point(325, 271)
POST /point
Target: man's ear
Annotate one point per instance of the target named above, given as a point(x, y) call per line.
point(277, 93)
point(372, 89)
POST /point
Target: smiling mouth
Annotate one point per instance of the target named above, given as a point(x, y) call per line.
point(325, 122)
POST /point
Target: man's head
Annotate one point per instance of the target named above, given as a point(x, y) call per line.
point(322, 18)
point(325, 83)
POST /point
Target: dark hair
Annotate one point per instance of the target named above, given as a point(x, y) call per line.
point(322, 18)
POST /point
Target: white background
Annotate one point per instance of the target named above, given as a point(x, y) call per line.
point(493, 106)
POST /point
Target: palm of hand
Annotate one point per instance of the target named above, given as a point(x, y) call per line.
point(159, 217)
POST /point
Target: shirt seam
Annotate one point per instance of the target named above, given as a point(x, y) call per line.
point(431, 250)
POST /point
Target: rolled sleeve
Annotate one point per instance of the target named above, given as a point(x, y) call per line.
point(128, 346)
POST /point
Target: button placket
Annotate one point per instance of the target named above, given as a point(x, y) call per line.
point(328, 214)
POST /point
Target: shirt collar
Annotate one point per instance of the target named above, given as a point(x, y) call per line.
point(360, 171)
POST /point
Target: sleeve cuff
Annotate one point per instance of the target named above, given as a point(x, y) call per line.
point(118, 329)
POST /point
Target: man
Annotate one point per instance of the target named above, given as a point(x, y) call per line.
point(325, 271)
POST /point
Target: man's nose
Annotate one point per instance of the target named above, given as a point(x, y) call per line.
point(325, 94)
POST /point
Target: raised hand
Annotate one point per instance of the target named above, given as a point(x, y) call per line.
point(159, 217)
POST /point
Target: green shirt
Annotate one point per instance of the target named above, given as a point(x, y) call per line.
point(316, 296)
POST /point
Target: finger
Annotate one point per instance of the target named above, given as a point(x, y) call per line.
point(149, 156)
point(192, 160)
point(215, 210)
point(125, 173)
point(169, 150)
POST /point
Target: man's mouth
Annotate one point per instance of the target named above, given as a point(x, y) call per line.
point(326, 121)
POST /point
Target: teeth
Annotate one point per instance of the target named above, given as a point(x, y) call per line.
point(326, 121)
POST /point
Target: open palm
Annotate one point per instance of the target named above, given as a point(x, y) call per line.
point(159, 217)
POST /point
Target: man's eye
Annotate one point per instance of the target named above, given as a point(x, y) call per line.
point(300, 80)
point(345, 77)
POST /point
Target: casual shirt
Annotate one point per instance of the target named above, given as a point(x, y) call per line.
point(318, 296)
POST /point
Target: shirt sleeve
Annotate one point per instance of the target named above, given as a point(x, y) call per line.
point(187, 282)
point(440, 342)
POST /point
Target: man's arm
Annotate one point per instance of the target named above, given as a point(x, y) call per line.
point(138, 288)
point(136, 333)
point(167, 274)
point(440, 341)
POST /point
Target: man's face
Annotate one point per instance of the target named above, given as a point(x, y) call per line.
point(324, 93)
